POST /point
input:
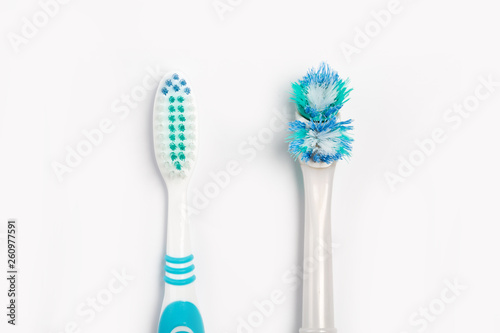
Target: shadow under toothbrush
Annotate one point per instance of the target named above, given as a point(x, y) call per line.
point(300, 208)
point(153, 326)
point(300, 243)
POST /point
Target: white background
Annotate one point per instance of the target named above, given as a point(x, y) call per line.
point(394, 249)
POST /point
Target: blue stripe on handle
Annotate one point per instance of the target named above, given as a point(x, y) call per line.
point(182, 282)
point(174, 260)
point(183, 270)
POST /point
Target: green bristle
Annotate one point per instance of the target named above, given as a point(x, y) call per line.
point(174, 119)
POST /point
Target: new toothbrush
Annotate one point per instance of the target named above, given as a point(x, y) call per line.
point(319, 139)
point(175, 140)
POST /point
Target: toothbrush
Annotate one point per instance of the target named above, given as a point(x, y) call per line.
point(175, 146)
point(319, 139)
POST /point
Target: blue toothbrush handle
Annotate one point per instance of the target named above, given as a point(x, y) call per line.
point(180, 313)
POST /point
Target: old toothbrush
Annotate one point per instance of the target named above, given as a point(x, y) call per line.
point(319, 139)
point(175, 146)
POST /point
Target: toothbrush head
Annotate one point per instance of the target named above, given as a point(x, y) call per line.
point(174, 127)
point(318, 135)
point(320, 94)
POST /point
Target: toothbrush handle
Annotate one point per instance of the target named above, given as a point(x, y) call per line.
point(179, 310)
point(317, 307)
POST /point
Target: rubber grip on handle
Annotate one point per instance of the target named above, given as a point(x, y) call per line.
point(180, 317)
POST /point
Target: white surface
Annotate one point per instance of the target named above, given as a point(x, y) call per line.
point(394, 249)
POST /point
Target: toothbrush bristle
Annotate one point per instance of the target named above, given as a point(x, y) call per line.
point(319, 136)
point(320, 141)
point(320, 93)
point(174, 127)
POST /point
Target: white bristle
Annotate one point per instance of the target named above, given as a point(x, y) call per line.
point(174, 126)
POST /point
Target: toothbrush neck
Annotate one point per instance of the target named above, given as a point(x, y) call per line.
point(178, 230)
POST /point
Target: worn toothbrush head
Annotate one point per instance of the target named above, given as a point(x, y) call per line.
point(318, 135)
point(320, 94)
point(174, 127)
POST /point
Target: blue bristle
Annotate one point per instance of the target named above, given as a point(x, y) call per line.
point(176, 87)
point(183, 82)
point(332, 111)
point(164, 90)
point(321, 137)
point(306, 93)
point(312, 112)
point(310, 139)
point(187, 91)
point(168, 83)
point(324, 75)
point(306, 156)
point(296, 125)
point(175, 76)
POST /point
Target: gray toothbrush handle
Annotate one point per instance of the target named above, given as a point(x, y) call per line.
point(317, 306)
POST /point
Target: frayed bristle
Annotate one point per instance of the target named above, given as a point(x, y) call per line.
point(320, 93)
point(320, 137)
point(320, 141)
